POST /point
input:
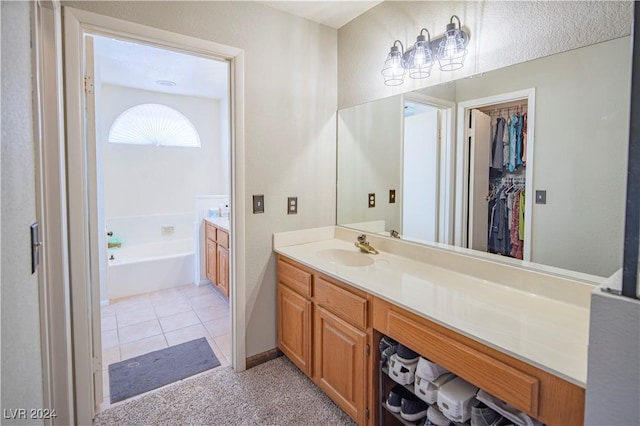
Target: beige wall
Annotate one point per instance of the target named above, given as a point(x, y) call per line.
point(290, 104)
point(21, 350)
point(502, 33)
point(366, 133)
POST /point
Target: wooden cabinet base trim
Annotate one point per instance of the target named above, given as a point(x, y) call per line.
point(559, 402)
point(495, 377)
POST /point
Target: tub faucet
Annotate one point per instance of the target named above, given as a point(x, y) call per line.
point(394, 233)
point(364, 246)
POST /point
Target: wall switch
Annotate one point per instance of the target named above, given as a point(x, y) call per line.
point(541, 197)
point(372, 199)
point(392, 196)
point(292, 205)
point(258, 204)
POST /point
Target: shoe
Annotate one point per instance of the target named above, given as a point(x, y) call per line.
point(396, 395)
point(436, 418)
point(481, 415)
point(386, 355)
point(387, 342)
point(387, 348)
point(413, 409)
point(407, 354)
point(429, 370)
point(402, 371)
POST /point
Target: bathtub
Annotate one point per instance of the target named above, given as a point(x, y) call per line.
point(143, 268)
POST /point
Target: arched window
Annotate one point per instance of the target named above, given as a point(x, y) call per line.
point(154, 124)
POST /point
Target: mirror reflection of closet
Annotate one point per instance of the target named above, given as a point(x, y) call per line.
point(498, 144)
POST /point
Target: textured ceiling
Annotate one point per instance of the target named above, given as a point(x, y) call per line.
point(139, 66)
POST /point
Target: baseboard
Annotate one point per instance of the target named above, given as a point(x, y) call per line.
point(263, 357)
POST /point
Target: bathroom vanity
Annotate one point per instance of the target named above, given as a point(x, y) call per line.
point(217, 253)
point(519, 334)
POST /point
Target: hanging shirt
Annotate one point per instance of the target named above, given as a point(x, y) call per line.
point(521, 223)
point(519, 126)
point(524, 140)
point(498, 148)
point(513, 140)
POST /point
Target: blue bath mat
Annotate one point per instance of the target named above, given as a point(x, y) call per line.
point(150, 371)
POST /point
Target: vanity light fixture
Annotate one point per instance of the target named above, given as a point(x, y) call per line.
point(453, 49)
point(450, 49)
point(420, 58)
point(394, 69)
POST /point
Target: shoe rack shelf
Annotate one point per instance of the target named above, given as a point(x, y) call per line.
point(384, 382)
point(384, 379)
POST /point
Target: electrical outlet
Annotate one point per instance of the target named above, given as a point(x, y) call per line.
point(392, 196)
point(292, 205)
point(372, 200)
point(258, 204)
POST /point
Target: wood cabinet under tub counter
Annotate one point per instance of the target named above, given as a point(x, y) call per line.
point(217, 253)
point(330, 328)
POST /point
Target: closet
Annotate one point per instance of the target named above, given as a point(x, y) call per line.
point(500, 152)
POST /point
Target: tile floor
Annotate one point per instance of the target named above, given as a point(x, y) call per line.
point(140, 324)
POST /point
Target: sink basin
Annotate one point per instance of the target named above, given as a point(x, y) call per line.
point(345, 257)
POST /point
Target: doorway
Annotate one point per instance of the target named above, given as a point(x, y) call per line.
point(162, 164)
point(481, 175)
point(84, 236)
point(427, 171)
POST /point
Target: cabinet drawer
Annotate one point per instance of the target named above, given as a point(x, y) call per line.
point(223, 238)
point(210, 232)
point(499, 379)
point(341, 302)
point(295, 278)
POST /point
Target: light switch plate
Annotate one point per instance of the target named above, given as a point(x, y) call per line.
point(392, 196)
point(258, 204)
point(292, 205)
point(541, 197)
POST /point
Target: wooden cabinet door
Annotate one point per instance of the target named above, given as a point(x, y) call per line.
point(340, 363)
point(211, 261)
point(223, 270)
point(294, 327)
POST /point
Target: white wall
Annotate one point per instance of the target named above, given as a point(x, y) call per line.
point(368, 133)
point(21, 351)
point(613, 376)
point(502, 33)
point(147, 180)
point(290, 104)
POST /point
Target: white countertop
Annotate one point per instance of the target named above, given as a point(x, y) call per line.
point(551, 334)
point(221, 222)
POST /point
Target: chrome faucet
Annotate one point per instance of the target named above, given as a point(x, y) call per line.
point(394, 233)
point(364, 246)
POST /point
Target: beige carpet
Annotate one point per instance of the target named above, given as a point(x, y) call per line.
point(273, 393)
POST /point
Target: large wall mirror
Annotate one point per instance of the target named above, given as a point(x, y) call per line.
point(406, 163)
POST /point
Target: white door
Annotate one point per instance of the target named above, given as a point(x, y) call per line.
point(94, 231)
point(421, 175)
point(479, 161)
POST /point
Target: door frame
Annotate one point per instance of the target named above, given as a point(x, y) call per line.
point(446, 163)
point(81, 245)
point(463, 158)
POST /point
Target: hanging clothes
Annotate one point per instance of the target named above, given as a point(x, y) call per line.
point(497, 149)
